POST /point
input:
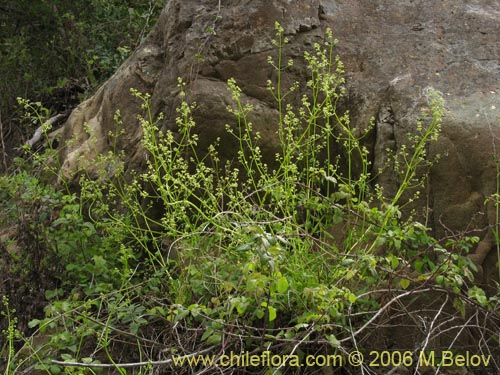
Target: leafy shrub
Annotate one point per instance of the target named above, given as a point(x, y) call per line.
point(58, 51)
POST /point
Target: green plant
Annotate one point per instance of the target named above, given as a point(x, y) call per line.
point(275, 224)
point(72, 48)
point(297, 254)
point(15, 358)
point(11, 334)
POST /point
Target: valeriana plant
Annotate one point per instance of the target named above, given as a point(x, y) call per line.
point(290, 255)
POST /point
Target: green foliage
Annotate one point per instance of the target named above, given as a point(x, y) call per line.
point(240, 254)
point(57, 51)
point(10, 334)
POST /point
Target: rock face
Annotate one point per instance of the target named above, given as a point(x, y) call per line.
point(392, 51)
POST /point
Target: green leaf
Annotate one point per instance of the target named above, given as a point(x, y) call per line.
point(55, 369)
point(483, 300)
point(67, 357)
point(333, 341)
point(440, 280)
point(350, 274)
point(337, 217)
point(459, 306)
point(330, 179)
point(404, 283)
point(397, 243)
point(418, 265)
point(214, 339)
point(394, 262)
point(180, 314)
point(240, 303)
point(49, 294)
point(33, 323)
point(351, 298)
point(259, 313)
point(208, 332)
point(272, 313)
point(282, 285)
point(380, 241)
point(478, 294)
point(347, 261)
point(99, 261)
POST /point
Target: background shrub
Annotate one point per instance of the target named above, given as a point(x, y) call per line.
point(59, 51)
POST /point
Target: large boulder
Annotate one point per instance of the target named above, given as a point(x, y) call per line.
point(393, 52)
